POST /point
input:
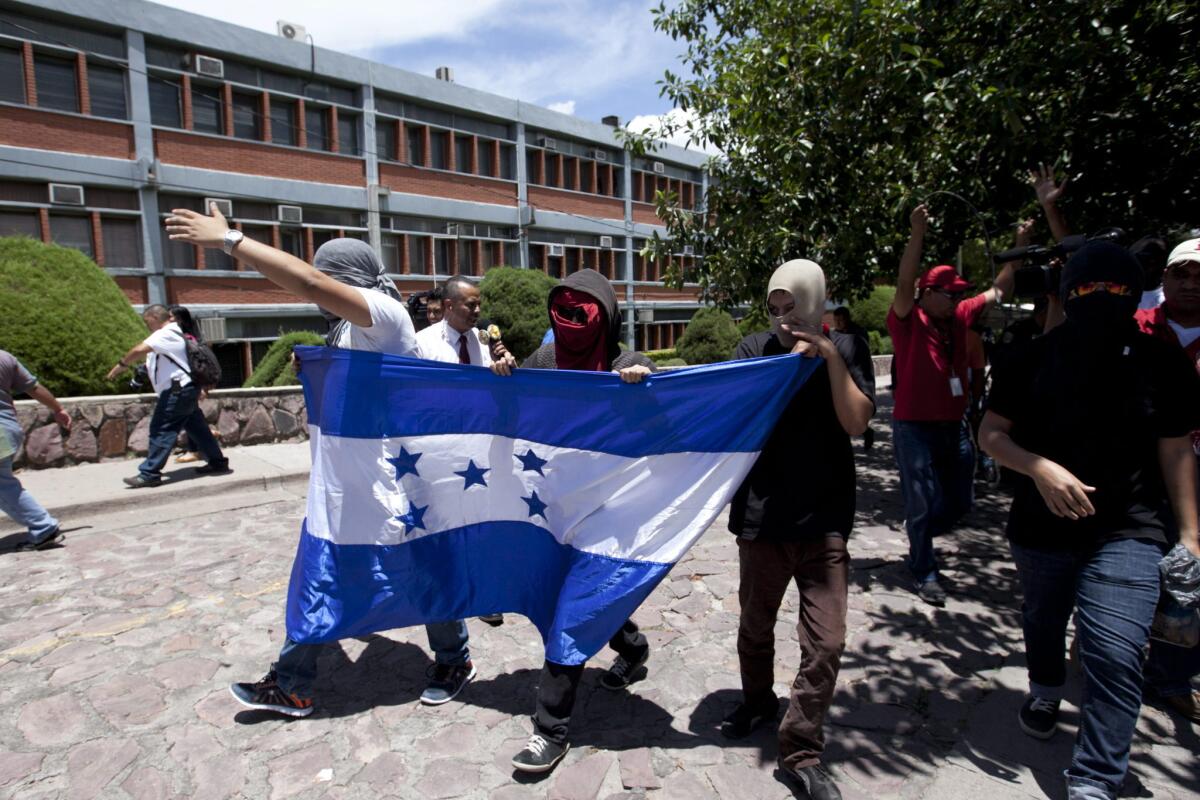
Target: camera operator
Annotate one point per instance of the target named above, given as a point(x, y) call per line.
point(1095, 417)
point(165, 350)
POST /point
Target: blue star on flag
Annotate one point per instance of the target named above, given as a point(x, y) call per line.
point(531, 463)
point(415, 518)
point(405, 463)
point(536, 507)
point(473, 475)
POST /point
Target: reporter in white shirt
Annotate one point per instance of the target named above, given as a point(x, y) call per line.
point(454, 339)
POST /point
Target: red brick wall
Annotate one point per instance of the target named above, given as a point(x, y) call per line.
point(662, 293)
point(400, 178)
point(644, 213)
point(571, 203)
point(134, 288)
point(46, 130)
point(257, 158)
point(226, 290)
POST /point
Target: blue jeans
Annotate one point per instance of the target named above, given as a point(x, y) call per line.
point(1114, 591)
point(175, 411)
point(22, 506)
point(296, 669)
point(937, 471)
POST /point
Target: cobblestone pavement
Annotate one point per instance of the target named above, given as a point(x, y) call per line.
point(115, 654)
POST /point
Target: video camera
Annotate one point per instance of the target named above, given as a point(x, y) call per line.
point(139, 378)
point(1043, 271)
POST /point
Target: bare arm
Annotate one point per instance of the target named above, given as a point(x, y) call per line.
point(1048, 194)
point(910, 263)
point(1177, 461)
point(853, 408)
point(44, 396)
point(282, 269)
point(1003, 287)
point(1064, 494)
point(133, 356)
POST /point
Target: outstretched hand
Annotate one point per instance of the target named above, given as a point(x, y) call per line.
point(188, 226)
point(1048, 192)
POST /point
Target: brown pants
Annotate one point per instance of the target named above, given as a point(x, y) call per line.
point(821, 569)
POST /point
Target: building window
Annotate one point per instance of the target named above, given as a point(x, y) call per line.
point(291, 240)
point(483, 157)
point(551, 170)
point(216, 259)
point(466, 257)
point(177, 254)
point(416, 145)
point(441, 256)
point(347, 134)
point(72, 231)
point(164, 103)
point(418, 254)
point(208, 111)
point(320, 236)
point(20, 223)
point(390, 245)
point(507, 155)
point(554, 264)
point(246, 121)
point(316, 124)
point(438, 158)
point(56, 85)
point(12, 76)
point(122, 242)
point(462, 154)
point(385, 140)
point(572, 259)
point(106, 88)
point(569, 167)
point(533, 158)
point(284, 129)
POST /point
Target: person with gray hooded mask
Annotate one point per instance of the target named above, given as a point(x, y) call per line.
point(792, 516)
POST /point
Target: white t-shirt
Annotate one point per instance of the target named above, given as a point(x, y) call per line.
point(169, 340)
point(391, 328)
point(1186, 335)
point(439, 342)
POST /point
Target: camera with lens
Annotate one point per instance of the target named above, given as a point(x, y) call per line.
point(139, 378)
point(1042, 272)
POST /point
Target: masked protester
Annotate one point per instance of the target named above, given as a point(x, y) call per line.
point(587, 331)
point(1095, 418)
point(792, 516)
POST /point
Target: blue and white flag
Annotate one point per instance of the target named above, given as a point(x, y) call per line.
point(441, 491)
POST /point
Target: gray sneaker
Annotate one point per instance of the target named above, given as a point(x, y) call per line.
point(931, 592)
point(446, 681)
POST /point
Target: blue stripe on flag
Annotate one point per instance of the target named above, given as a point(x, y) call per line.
point(727, 407)
point(576, 600)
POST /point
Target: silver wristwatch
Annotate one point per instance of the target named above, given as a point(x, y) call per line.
point(231, 240)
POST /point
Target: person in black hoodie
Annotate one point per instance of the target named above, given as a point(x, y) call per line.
point(587, 332)
point(1094, 417)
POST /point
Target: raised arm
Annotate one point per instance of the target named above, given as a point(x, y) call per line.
point(1048, 195)
point(910, 262)
point(282, 269)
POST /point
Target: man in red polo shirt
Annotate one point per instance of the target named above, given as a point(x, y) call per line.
point(928, 323)
point(1170, 670)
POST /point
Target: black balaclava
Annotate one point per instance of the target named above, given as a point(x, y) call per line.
point(1101, 287)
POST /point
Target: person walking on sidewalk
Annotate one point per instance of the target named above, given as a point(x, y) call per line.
point(792, 516)
point(20, 505)
point(928, 323)
point(177, 409)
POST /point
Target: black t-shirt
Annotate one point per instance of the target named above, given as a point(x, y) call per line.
point(802, 484)
point(1101, 419)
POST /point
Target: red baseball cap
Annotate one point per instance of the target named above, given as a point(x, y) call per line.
point(944, 277)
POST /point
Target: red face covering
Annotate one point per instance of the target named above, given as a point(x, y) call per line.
point(580, 328)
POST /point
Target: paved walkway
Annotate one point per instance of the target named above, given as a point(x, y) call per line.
point(115, 652)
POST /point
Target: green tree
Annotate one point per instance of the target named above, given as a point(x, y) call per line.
point(836, 117)
point(515, 300)
point(275, 368)
point(711, 336)
point(871, 311)
point(64, 317)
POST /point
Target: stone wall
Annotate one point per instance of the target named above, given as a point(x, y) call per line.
point(117, 426)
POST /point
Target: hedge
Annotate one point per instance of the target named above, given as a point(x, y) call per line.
point(63, 317)
point(515, 300)
point(711, 336)
point(871, 311)
point(275, 367)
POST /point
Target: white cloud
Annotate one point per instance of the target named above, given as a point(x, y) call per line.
point(565, 107)
point(677, 117)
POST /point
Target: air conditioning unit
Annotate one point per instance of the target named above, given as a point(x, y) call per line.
point(66, 194)
point(598, 155)
point(689, 250)
point(659, 168)
point(444, 74)
point(207, 65)
point(606, 241)
point(454, 229)
point(224, 206)
point(548, 143)
point(290, 30)
point(212, 329)
point(292, 215)
point(556, 251)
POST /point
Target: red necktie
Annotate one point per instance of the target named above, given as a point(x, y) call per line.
point(464, 356)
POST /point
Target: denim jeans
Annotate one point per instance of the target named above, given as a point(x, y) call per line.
point(177, 410)
point(937, 471)
point(22, 506)
point(1114, 590)
point(296, 669)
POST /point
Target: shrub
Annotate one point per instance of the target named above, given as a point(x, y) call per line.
point(274, 369)
point(711, 336)
point(754, 322)
point(880, 345)
point(660, 355)
point(672, 362)
point(871, 311)
point(515, 300)
point(64, 317)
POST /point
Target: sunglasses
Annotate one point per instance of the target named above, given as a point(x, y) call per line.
point(949, 294)
point(1091, 287)
point(578, 314)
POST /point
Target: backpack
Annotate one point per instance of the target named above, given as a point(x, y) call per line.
point(203, 367)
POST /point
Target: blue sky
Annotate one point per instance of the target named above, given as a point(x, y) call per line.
point(586, 57)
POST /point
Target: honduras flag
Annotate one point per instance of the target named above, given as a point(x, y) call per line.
point(441, 491)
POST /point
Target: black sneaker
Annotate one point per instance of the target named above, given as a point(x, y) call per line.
point(267, 696)
point(141, 482)
point(931, 592)
point(621, 673)
point(814, 781)
point(748, 716)
point(54, 537)
point(446, 681)
point(215, 468)
point(495, 620)
point(1039, 717)
point(540, 755)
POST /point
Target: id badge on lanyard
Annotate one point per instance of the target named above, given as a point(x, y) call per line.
point(956, 387)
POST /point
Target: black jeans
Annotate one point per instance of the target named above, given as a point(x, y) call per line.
point(559, 682)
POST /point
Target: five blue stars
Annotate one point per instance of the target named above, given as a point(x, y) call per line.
point(536, 507)
point(405, 463)
point(531, 463)
point(473, 475)
point(415, 518)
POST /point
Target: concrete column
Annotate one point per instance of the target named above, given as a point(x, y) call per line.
point(143, 139)
point(630, 309)
point(370, 146)
point(524, 212)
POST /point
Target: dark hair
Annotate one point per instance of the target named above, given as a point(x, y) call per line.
point(183, 318)
point(436, 295)
point(842, 311)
